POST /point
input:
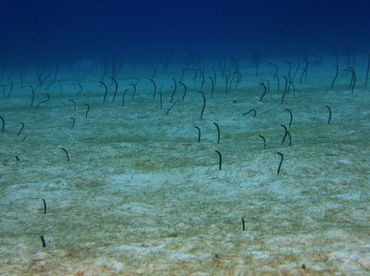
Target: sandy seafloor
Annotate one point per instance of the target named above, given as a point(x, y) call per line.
point(140, 195)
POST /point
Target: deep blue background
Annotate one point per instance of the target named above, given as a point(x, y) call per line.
point(39, 28)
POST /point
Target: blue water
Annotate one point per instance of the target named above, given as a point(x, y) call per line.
point(77, 29)
point(120, 115)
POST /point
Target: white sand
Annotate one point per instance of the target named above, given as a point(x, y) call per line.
point(141, 196)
